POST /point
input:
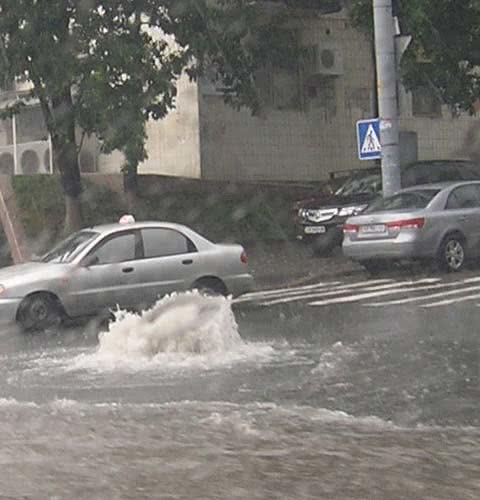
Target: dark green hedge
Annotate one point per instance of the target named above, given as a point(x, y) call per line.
point(220, 211)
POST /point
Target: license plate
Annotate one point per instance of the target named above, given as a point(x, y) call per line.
point(372, 229)
point(315, 229)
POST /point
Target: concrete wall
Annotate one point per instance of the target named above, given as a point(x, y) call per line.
point(205, 138)
point(295, 144)
point(309, 143)
point(173, 144)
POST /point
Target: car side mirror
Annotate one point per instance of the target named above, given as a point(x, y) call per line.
point(90, 260)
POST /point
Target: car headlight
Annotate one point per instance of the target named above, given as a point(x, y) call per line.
point(353, 210)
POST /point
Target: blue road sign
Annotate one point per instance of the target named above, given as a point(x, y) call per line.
point(368, 138)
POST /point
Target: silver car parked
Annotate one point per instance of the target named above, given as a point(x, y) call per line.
point(127, 265)
point(438, 222)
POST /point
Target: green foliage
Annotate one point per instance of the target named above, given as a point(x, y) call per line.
point(222, 213)
point(121, 59)
point(225, 216)
point(444, 54)
point(40, 200)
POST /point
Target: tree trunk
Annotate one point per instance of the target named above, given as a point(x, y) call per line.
point(66, 159)
point(130, 186)
point(73, 214)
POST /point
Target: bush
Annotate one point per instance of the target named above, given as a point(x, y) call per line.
point(41, 203)
point(220, 211)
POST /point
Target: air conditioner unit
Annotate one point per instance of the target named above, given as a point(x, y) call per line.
point(324, 59)
point(33, 158)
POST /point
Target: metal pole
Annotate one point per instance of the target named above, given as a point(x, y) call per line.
point(16, 170)
point(387, 94)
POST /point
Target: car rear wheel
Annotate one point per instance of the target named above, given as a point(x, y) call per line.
point(210, 286)
point(451, 254)
point(39, 312)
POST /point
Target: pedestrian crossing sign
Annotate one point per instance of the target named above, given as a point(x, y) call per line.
point(368, 137)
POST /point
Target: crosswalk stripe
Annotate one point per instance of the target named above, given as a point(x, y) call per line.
point(409, 300)
point(282, 291)
point(452, 301)
point(343, 291)
point(362, 296)
point(286, 292)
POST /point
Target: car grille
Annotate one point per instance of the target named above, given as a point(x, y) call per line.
point(318, 215)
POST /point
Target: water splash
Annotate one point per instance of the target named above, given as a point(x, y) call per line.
point(188, 323)
point(180, 330)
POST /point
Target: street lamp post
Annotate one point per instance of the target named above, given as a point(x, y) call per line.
point(387, 94)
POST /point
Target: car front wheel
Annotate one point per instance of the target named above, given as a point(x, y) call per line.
point(451, 254)
point(39, 312)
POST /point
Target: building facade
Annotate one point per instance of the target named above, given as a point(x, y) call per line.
point(304, 131)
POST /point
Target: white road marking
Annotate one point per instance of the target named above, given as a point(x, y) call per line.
point(409, 300)
point(342, 291)
point(363, 296)
point(280, 291)
point(453, 301)
point(285, 292)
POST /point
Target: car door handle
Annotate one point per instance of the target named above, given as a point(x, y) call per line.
point(128, 270)
point(464, 218)
point(187, 262)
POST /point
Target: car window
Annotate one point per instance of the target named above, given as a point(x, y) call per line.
point(360, 184)
point(464, 197)
point(71, 247)
point(118, 248)
point(412, 200)
point(431, 173)
point(415, 174)
point(469, 172)
point(161, 242)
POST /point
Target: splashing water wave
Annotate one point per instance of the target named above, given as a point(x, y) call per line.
point(181, 329)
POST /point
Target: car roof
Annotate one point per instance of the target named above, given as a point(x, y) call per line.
point(113, 227)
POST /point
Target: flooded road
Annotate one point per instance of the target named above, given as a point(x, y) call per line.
point(208, 400)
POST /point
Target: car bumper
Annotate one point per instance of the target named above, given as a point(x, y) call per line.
point(382, 249)
point(8, 311)
point(240, 284)
point(328, 231)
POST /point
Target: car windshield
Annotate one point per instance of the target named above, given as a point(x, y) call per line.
point(69, 248)
point(411, 200)
point(361, 184)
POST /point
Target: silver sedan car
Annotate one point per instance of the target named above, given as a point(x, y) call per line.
point(126, 265)
point(438, 222)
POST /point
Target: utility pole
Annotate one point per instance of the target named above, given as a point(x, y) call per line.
point(387, 94)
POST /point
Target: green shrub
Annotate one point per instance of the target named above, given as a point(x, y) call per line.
point(220, 211)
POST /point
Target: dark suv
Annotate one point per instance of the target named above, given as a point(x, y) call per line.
point(319, 218)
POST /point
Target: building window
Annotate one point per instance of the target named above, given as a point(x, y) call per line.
point(323, 96)
point(280, 88)
point(425, 102)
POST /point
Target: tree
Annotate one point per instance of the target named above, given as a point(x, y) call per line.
point(106, 67)
point(444, 54)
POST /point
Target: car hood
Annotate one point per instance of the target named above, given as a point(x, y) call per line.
point(333, 200)
point(31, 272)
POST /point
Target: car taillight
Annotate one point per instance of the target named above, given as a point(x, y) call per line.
point(407, 224)
point(244, 258)
point(350, 228)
